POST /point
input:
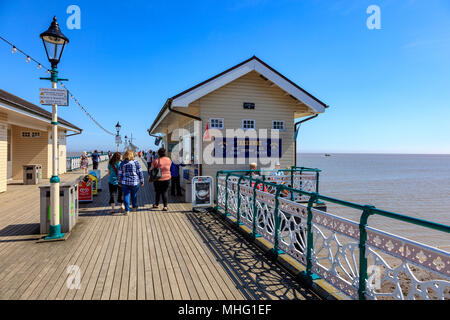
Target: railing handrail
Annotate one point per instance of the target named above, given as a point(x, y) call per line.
point(393, 215)
point(367, 211)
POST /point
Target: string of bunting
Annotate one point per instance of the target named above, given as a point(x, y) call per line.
point(85, 111)
point(29, 58)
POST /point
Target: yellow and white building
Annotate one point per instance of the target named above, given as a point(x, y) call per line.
point(26, 138)
point(249, 96)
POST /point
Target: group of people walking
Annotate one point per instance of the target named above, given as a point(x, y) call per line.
point(84, 164)
point(126, 177)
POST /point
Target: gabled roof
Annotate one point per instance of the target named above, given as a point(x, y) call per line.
point(28, 107)
point(183, 99)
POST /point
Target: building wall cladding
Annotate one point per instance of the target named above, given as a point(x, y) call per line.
point(271, 103)
point(3, 151)
point(62, 153)
point(29, 150)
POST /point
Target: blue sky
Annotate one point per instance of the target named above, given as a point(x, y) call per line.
point(388, 89)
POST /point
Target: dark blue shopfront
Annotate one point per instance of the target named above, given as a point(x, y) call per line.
point(247, 148)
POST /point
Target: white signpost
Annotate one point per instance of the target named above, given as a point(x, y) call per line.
point(50, 96)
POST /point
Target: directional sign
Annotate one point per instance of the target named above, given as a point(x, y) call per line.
point(118, 140)
point(50, 96)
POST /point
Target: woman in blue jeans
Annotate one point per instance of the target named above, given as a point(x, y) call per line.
point(130, 177)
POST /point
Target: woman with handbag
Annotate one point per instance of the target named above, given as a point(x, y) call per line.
point(160, 175)
point(113, 182)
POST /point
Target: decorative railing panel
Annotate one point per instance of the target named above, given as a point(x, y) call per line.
point(361, 261)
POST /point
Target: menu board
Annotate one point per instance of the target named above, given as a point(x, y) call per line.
point(202, 191)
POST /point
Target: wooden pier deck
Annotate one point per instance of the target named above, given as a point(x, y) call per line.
point(149, 254)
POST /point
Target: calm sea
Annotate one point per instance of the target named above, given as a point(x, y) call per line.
point(414, 185)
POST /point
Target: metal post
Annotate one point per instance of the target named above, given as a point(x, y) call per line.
point(362, 251)
point(254, 235)
point(310, 238)
point(276, 230)
point(217, 191)
point(292, 183)
point(226, 195)
point(238, 211)
point(317, 181)
point(55, 226)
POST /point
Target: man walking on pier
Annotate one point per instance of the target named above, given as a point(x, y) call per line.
point(95, 158)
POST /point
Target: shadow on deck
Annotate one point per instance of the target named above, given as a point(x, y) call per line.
point(254, 274)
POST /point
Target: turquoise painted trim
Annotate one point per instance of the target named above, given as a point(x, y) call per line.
point(226, 194)
point(217, 191)
point(312, 276)
point(54, 122)
point(55, 179)
point(238, 211)
point(54, 232)
point(310, 237)
point(254, 234)
point(276, 215)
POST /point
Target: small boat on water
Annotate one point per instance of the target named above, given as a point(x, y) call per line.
point(327, 155)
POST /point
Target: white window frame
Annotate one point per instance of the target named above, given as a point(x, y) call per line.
point(220, 119)
point(254, 124)
point(35, 134)
point(26, 134)
point(281, 121)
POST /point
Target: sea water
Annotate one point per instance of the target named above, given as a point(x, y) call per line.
point(414, 185)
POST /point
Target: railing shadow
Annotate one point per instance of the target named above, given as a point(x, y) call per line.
point(24, 229)
point(254, 274)
point(17, 230)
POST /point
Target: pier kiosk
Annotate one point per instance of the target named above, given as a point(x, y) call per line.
point(241, 100)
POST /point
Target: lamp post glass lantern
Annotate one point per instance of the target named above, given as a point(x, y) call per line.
point(54, 42)
point(118, 126)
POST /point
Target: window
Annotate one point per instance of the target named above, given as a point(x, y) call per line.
point(278, 125)
point(26, 134)
point(36, 134)
point(216, 123)
point(248, 124)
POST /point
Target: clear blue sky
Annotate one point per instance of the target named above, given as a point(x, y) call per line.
point(388, 89)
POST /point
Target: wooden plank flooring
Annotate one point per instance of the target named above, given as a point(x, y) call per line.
point(149, 254)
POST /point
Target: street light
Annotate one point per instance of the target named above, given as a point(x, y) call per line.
point(54, 42)
point(126, 143)
point(118, 126)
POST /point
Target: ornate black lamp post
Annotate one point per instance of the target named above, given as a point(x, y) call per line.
point(54, 43)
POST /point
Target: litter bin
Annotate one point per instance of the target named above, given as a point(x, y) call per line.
point(94, 184)
point(97, 174)
point(68, 206)
point(32, 174)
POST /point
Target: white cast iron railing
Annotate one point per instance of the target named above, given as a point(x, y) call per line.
point(343, 252)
